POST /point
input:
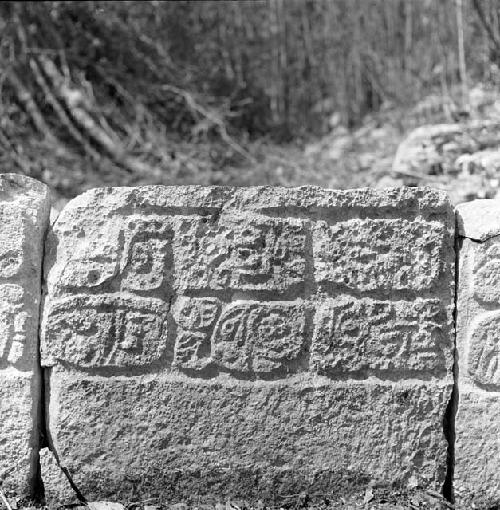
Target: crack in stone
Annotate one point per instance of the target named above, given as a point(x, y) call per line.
point(452, 407)
point(42, 426)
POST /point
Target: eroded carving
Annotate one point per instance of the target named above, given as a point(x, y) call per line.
point(107, 330)
point(15, 325)
point(359, 334)
point(484, 351)
point(93, 258)
point(148, 261)
point(246, 254)
point(195, 319)
point(260, 337)
point(487, 272)
point(13, 234)
point(373, 254)
point(134, 254)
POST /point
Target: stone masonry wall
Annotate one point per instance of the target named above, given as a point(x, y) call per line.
point(205, 343)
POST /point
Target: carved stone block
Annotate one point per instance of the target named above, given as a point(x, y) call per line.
point(24, 213)
point(225, 342)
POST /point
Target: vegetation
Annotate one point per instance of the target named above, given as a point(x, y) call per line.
point(219, 92)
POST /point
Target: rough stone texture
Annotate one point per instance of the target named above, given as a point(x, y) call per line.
point(477, 478)
point(55, 483)
point(24, 211)
point(205, 343)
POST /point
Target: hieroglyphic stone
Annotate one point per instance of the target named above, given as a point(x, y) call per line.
point(246, 253)
point(260, 337)
point(378, 254)
point(24, 215)
point(483, 362)
point(15, 324)
point(132, 255)
point(241, 377)
point(106, 330)
point(487, 271)
point(246, 336)
point(195, 319)
point(366, 334)
point(93, 259)
point(147, 261)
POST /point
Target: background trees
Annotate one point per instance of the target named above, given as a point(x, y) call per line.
point(195, 91)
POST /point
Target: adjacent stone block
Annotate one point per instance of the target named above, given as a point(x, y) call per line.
point(477, 477)
point(206, 343)
point(24, 213)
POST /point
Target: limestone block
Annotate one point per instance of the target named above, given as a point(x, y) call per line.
point(477, 474)
point(24, 212)
point(208, 343)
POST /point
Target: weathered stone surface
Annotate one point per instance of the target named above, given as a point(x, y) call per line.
point(375, 254)
point(24, 211)
point(403, 337)
point(477, 478)
point(55, 483)
point(179, 439)
point(217, 342)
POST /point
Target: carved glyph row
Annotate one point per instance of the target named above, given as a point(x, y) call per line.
point(260, 253)
point(334, 336)
point(248, 294)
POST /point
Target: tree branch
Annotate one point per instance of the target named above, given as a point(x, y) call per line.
point(482, 17)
